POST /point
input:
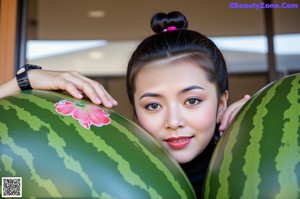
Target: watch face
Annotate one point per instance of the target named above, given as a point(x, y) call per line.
point(21, 70)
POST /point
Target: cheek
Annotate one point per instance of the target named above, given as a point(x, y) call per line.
point(205, 119)
point(148, 123)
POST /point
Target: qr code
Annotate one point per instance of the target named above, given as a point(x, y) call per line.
point(11, 187)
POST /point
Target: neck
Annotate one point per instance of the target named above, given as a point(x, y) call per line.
point(196, 168)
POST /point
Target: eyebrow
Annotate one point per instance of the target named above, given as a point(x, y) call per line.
point(150, 95)
point(183, 91)
point(191, 88)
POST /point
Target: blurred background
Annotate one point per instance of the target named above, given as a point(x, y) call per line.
point(96, 38)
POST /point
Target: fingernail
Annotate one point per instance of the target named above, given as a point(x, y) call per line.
point(97, 100)
point(109, 104)
point(114, 102)
point(79, 95)
point(221, 127)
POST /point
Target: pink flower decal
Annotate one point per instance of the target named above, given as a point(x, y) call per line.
point(86, 114)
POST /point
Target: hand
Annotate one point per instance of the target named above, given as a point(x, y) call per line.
point(74, 83)
point(231, 111)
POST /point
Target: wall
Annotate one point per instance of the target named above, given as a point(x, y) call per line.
point(8, 20)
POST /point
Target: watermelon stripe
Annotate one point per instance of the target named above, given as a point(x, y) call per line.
point(124, 166)
point(227, 173)
point(49, 129)
point(224, 168)
point(290, 147)
point(73, 135)
point(269, 183)
point(255, 151)
point(156, 161)
point(257, 170)
point(27, 176)
point(27, 156)
point(57, 143)
point(126, 170)
point(211, 179)
point(237, 172)
point(8, 164)
point(93, 139)
point(43, 139)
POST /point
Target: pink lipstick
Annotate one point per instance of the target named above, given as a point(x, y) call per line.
point(178, 142)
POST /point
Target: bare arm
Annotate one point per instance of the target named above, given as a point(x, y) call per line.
point(71, 81)
point(9, 88)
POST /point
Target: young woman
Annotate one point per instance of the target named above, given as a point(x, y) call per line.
point(177, 85)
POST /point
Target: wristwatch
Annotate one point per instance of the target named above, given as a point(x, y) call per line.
point(22, 76)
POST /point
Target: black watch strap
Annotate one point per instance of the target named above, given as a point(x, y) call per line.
point(22, 76)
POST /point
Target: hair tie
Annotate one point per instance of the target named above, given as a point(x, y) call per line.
point(170, 28)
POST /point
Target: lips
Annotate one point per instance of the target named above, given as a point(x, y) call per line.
point(178, 142)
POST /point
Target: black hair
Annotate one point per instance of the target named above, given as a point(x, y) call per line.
point(182, 43)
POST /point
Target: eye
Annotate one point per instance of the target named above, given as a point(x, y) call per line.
point(192, 101)
point(153, 107)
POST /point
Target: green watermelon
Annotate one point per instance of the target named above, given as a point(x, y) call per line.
point(259, 155)
point(63, 147)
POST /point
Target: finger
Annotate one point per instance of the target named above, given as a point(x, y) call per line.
point(223, 124)
point(236, 108)
point(231, 112)
point(100, 90)
point(228, 116)
point(246, 97)
point(70, 88)
point(232, 115)
point(88, 90)
point(95, 91)
point(224, 120)
point(78, 82)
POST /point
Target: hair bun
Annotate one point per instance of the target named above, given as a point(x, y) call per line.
point(161, 21)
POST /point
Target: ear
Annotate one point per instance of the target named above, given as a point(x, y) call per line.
point(222, 105)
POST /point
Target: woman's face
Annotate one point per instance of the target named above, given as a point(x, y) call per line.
point(178, 106)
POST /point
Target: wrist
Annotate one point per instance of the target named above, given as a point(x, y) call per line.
point(22, 76)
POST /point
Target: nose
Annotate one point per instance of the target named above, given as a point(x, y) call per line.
point(174, 118)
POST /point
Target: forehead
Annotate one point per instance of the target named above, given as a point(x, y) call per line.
point(178, 73)
point(171, 66)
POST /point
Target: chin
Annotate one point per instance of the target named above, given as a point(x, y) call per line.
point(182, 158)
